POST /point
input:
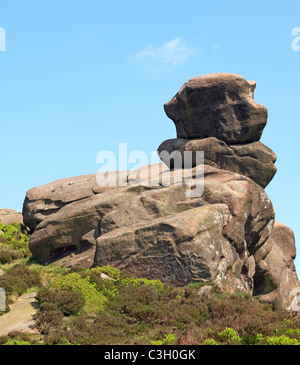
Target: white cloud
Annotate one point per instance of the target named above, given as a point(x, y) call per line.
point(174, 52)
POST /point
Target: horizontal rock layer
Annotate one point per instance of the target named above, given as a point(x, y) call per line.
point(254, 160)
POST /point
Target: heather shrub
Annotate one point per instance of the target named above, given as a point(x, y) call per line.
point(18, 279)
point(48, 321)
point(8, 255)
point(18, 338)
point(107, 328)
point(94, 300)
point(13, 285)
point(57, 337)
point(30, 277)
point(67, 301)
point(139, 303)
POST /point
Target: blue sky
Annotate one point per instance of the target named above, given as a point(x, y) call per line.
point(79, 77)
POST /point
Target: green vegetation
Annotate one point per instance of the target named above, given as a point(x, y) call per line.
point(17, 280)
point(209, 341)
point(77, 306)
point(13, 242)
point(167, 340)
point(108, 270)
point(281, 340)
point(229, 336)
point(73, 282)
point(16, 342)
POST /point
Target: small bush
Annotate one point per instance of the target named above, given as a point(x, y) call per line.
point(229, 336)
point(252, 340)
point(15, 240)
point(47, 321)
point(139, 304)
point(209, 341)
point(8, 255)
point(94, 300)
point(13, 285)
point(67, 301)
point(293, 333)
point(167, 340)
point(30, 277)
point(18, 279)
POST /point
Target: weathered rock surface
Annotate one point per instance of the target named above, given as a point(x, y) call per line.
point(275, 274)
point(179, 248)
point(8, 216)
point(254, 160)
point(218, 105)
point(45, 200)
point(159, 232)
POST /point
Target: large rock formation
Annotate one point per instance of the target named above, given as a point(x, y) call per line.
point(158, 231)
point(155, 223)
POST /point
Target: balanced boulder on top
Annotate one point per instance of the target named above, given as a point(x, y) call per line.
point(218, 105)
point(216, 114)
